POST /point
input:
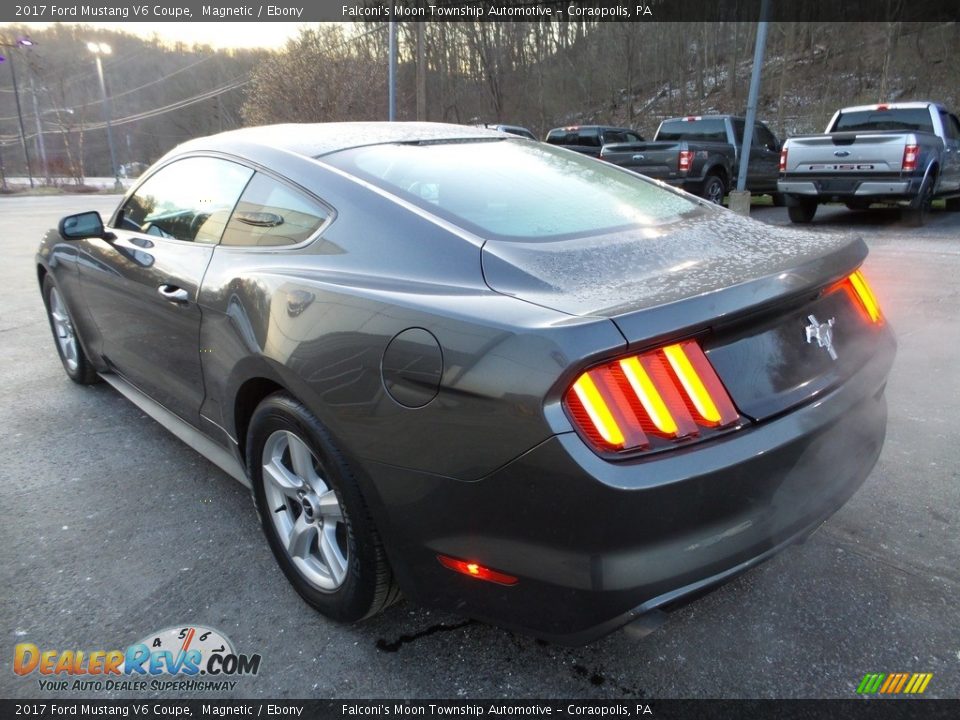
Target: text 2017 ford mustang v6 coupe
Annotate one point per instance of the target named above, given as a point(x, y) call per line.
point(506, 379)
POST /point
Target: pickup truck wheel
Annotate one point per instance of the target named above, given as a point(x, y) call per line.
point(313, 514)
point(714, 189)
point(802, 212)
point(917, 216)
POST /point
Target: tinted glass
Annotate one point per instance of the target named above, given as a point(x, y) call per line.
point(762, 137)
point(271, 213)
point(950, 126)
point(514, 190)
point(562, 137)
point(706, 130)
point(189, 199)
point(904, 119)
point(589, 138)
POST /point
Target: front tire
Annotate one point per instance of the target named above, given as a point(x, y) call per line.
point(313, 514)
point(802, 211)
point(75, 361)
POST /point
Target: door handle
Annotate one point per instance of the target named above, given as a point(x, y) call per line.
point(173, 293)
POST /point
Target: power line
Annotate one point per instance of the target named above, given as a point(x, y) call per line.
point(146, 114)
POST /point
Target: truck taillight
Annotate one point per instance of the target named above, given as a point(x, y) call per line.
point(632, 403)
point(911, 154)
point(685, 161)
point(783, 159)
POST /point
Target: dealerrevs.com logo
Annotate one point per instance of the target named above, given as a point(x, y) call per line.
point(192, 658)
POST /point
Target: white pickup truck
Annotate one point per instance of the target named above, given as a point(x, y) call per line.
point(902, 154)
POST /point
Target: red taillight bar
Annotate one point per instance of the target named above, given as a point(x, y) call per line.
point(865, 297)
point(783, 159)
point(685, 160)
point(671, 393)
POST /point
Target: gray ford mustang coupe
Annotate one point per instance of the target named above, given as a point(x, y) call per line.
point(500, 377)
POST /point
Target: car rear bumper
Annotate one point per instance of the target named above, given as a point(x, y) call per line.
point(595, 543)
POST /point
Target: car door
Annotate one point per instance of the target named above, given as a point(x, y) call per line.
point(141, 287)
point(950, 172)
point(764, 159)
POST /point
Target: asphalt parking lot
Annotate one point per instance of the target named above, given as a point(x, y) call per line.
point(113, 529)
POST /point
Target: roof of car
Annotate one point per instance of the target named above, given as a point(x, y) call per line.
point(891, 106)
point(567, 128)
point(316, 139)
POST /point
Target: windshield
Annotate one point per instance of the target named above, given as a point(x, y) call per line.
point(704, 130)
point(514, 189)
point(904, 119)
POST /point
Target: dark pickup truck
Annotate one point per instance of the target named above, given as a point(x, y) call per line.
point(701, 154)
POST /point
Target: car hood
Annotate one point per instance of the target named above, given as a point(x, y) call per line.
point(619, 274)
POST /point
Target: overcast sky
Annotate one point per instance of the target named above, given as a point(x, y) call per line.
point(215, 34)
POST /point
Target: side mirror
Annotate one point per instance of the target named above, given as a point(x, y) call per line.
point(83, 225)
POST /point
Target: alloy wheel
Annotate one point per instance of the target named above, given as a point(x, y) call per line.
point(305, 511)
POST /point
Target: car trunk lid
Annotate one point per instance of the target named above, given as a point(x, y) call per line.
point(757, 298)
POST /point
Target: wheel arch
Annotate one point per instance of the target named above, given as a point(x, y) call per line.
point(246, 399)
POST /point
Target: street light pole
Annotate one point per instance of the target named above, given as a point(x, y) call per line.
point(99, 49)
point(41, 146)
point(22, 42)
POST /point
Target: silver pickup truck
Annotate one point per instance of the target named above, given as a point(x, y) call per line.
point(902, 154)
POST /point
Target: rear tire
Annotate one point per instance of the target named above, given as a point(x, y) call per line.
point(313, 514)
point(69, 346)
point(802, 212)
point(917, 216)
point(714, 189)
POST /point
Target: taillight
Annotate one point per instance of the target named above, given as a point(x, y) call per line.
point(911, 154)
point(783, 159)
point(475, 570)
point(685, 161)
point(865, 297)
point(642, 401)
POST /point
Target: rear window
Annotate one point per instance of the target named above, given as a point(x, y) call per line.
point(904, 119)
point(705, 130)
point(514, 190)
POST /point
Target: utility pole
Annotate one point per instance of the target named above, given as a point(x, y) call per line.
point(421, 73)
point(41, 147)
point(740, 198)
point(99, 49)
point(22, 42)
point(392, 70)
point(757, 71)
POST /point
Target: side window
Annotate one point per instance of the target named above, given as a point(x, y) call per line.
point(763, 137)
point(738, 126)
point(633, 137)
point(589, 138)
point(271, 213)
point(189, 200)
point(950, 126)
point(614, 136)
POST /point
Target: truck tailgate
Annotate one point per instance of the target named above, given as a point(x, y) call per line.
point(654, 159)
point(846, 152)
